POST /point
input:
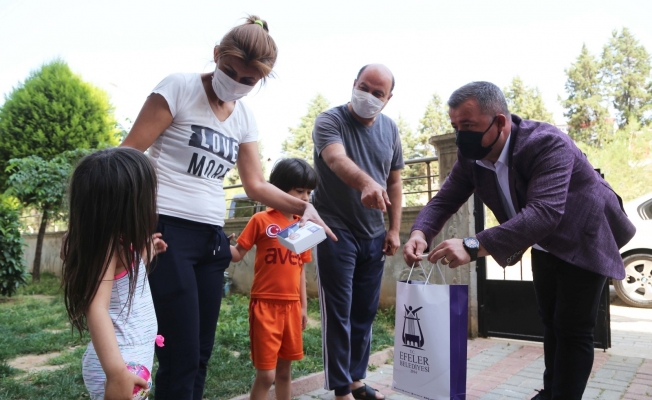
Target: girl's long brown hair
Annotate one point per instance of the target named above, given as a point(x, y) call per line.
point(112, 214)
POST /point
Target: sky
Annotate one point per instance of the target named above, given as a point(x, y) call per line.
point(431, 46)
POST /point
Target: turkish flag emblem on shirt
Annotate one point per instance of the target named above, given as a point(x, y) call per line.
point(272, 230)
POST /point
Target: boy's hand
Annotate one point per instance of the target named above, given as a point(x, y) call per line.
point(231, 237)
point(121, 386)
point(304, 318)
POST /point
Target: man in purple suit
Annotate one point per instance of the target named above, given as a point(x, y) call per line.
point(546, 195)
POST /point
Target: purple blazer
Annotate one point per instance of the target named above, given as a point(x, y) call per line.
point(562, 204)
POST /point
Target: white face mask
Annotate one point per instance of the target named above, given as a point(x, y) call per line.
point(226, 88)
point(365, 104)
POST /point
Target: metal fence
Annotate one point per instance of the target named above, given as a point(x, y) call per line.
point(420, 183)
point(30, 220)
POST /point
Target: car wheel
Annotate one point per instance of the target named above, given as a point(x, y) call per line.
point(636, 288)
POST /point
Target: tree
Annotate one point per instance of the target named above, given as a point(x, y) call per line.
point(414, 181)
point(587, 113)
point(435, 121)
point(526, 102)
point(123, 128)
point(625, 160)
point(626, 71)
point(42, 184)
point(233, 177)
point(299, 144)
point(54, 111)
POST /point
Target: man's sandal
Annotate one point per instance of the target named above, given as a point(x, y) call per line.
point(365, 392)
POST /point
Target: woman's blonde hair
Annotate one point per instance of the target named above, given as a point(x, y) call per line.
point(251, 43)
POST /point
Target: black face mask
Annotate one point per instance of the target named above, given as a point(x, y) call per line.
point(470, 143)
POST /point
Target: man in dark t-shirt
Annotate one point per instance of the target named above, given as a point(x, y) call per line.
point(358, 158)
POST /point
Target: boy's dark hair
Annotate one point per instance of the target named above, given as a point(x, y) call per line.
point(112, 214)
point(292, 173)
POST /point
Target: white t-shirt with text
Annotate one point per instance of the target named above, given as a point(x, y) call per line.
point(196, 151)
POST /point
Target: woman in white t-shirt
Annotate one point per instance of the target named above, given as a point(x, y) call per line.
point(196, 130)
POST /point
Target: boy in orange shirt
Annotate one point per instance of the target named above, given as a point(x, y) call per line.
point(278, 309)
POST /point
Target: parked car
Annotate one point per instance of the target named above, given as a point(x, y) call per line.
point(243, 206)
point(636, 288)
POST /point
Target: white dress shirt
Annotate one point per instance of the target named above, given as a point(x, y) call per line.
point(501, 168)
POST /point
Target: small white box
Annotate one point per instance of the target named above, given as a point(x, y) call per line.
point(301, 238)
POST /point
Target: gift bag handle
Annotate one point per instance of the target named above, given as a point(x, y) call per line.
point(443, 278)
point(412, 269)
point(437, 264)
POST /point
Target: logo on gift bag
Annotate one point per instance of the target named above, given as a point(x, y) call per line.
point(412, 333)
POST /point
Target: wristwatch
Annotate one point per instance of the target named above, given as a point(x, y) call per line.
point(472, 246)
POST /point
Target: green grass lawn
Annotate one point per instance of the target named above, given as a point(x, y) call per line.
point(34, 322)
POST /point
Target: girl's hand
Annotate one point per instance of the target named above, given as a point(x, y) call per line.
point(304, 319)
point(62, 250)
point(158, 244)
point(121, 386)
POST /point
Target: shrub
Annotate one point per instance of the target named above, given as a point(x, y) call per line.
point(13, 271)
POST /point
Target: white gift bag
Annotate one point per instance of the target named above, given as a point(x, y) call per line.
point(430, 339)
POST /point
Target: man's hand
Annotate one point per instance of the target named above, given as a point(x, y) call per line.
point(392, 243)
point(414, 248)
point(374, 196)
point(451, 252)
point(121, 386)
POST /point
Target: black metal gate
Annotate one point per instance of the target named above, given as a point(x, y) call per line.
point(508, 308)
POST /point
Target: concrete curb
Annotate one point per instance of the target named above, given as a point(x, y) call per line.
point(308, 383)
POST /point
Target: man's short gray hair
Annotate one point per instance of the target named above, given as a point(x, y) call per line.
point(489, 97)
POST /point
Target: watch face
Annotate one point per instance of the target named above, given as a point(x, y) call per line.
point(471, 242)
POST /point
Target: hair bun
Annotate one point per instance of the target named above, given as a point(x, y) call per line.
point(254, 19)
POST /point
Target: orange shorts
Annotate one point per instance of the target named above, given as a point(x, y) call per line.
point(275, 332)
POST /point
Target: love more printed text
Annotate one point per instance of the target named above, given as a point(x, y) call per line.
point(216, 143)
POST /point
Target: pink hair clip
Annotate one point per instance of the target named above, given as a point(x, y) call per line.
point(159, 340)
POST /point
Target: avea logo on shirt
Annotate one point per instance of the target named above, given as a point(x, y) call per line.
point(276, 255)
point(216, 143)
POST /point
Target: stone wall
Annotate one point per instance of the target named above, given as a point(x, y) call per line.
point(460, 225)
point(242, 272)
point(50, 261)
